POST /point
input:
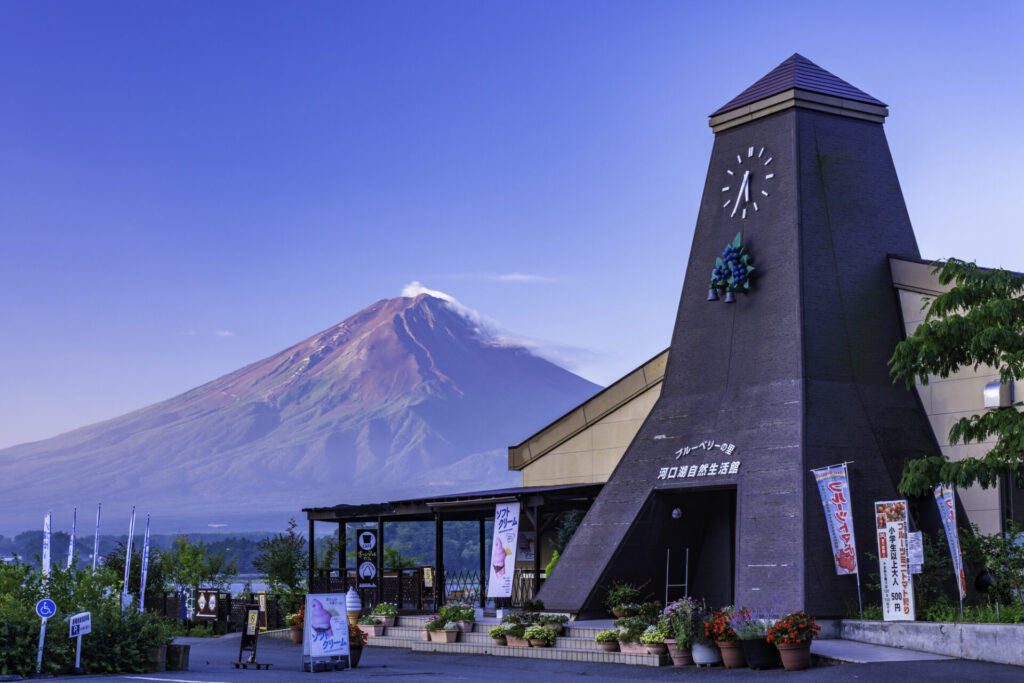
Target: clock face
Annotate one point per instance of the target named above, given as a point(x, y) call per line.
point(748, 182)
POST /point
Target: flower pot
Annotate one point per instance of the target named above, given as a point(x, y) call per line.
point(705, 654)
point(517, 642)
point(732, 654)
point(537, 642)
point(633, 648)
point(355, 653)
point(296, 634)
point(680, 656)
point(177, 656)
point(619, 613)
point(424, 634)
point(373, 629)
point(388, 621)
point(656, 648)
point(795, 656)
point(500, 641)
point(760, 654)
point(556, 627)
point(443, 636)
point(610, 646)
point(157, 659)
point(465, 626)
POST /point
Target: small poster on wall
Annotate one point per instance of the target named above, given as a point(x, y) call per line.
point(525, 551)
point(503, 550)
point(892, 529)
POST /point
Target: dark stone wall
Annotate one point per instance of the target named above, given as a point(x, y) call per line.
point(793, 374)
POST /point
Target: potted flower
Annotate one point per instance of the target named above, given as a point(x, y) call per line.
point(448, 633)
point(497, 634)
point(461, 613)
point(386, 612)
point(515, 635)
point(630, 629)
point(356, 641)
point(718, 628)
point(555, 622)
point(751, 627)
point(679, 618)
point(654, 640)
point(434, 624)
point(374, 626)
point(295, 622)
point(608, 640)
point(792, 635)
point(540, 636)
point(621, 599)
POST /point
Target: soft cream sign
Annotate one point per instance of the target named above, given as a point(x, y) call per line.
point(503, 550)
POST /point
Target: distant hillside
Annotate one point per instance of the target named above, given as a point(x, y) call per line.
point(407, 397)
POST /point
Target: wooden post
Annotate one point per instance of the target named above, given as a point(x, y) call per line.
point(312, 559)
point(380, 557)
point(536, 551)
point(342, 554)
point(483, 564)
point(439, 580)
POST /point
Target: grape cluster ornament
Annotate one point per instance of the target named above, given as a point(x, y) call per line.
point(732, 273)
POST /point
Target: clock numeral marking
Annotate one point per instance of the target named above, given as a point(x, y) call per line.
point(760, 153)
point(750, 152)
point(739, 159)
point(769, 161)
point(764, 193)
point(755, 207)
point(727, 202)
point(769, 176)
point(744, 213)
point(725, 189)
point(729, 172)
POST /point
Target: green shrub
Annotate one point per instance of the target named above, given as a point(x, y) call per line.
point(540, 633)
point(496, 631)
point(609, 636)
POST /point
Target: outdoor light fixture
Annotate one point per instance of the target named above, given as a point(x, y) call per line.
point(677, 513)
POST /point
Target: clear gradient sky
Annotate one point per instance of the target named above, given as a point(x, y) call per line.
point(187, 187)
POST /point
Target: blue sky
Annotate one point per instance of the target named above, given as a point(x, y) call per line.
point(187, 187)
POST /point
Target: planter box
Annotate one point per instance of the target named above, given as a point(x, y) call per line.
point(443, 636)
point(610, 646)
point(633, 648)
point(517, 642)
point(1001, 643)
point(373, 629)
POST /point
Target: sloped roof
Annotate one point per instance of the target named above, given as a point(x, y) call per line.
point(798, 72)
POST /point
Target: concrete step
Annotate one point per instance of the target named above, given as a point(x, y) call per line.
point(553, 653)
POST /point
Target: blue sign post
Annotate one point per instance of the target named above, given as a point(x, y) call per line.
point(45, 608)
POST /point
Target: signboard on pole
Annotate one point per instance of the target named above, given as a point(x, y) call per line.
point(947, 510)
point(80, 624)
point(834, 489)
point(325, 627)
point(206, 603)
point(366, 557)
point(892, 527)
point(503, 550)
point(261, 600)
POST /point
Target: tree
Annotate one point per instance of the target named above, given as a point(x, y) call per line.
point(191, 565)
point(980, 321)
point(282, 560)
point(156, 570)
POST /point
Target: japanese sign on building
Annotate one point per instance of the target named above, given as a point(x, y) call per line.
point(714, 469)
point(503, 550)
point(366, 557)
point(834, 489)
point(891, 528)
point(709, 445)
point(947, 510)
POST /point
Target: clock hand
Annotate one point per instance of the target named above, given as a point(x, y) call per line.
point(743, 186)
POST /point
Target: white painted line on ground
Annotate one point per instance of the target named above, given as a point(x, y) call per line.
point(170, 680)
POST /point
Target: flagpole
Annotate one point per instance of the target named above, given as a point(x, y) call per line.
point(128, 559)
point(71, 543)
point(96, 539)
point(145, 568)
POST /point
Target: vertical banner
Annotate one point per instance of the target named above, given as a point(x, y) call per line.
point(947, 510)
point(503, 550)
point(325, 626)
point(892, 527)
point(46, 546)
point(126, 598)
point(71, 543)
point(834, 488)
point(366, 557)
point(96, 539)
point(145, 568)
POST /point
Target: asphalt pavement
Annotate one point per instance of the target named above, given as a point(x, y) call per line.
point(211, 662)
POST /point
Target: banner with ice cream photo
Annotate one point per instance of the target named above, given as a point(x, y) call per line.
point(503, 550)
point(326, 625)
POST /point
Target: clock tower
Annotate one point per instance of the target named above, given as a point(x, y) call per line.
point(778, 365)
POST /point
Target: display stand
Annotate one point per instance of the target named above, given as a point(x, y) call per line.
point(250, 638)
point(325, 644)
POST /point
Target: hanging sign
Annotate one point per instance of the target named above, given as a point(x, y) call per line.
point(503, 550)
point(325, 626)
point(915, 548)
point(947, 510)
point(366, 557)
point(834, 489)
point(892, 526)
